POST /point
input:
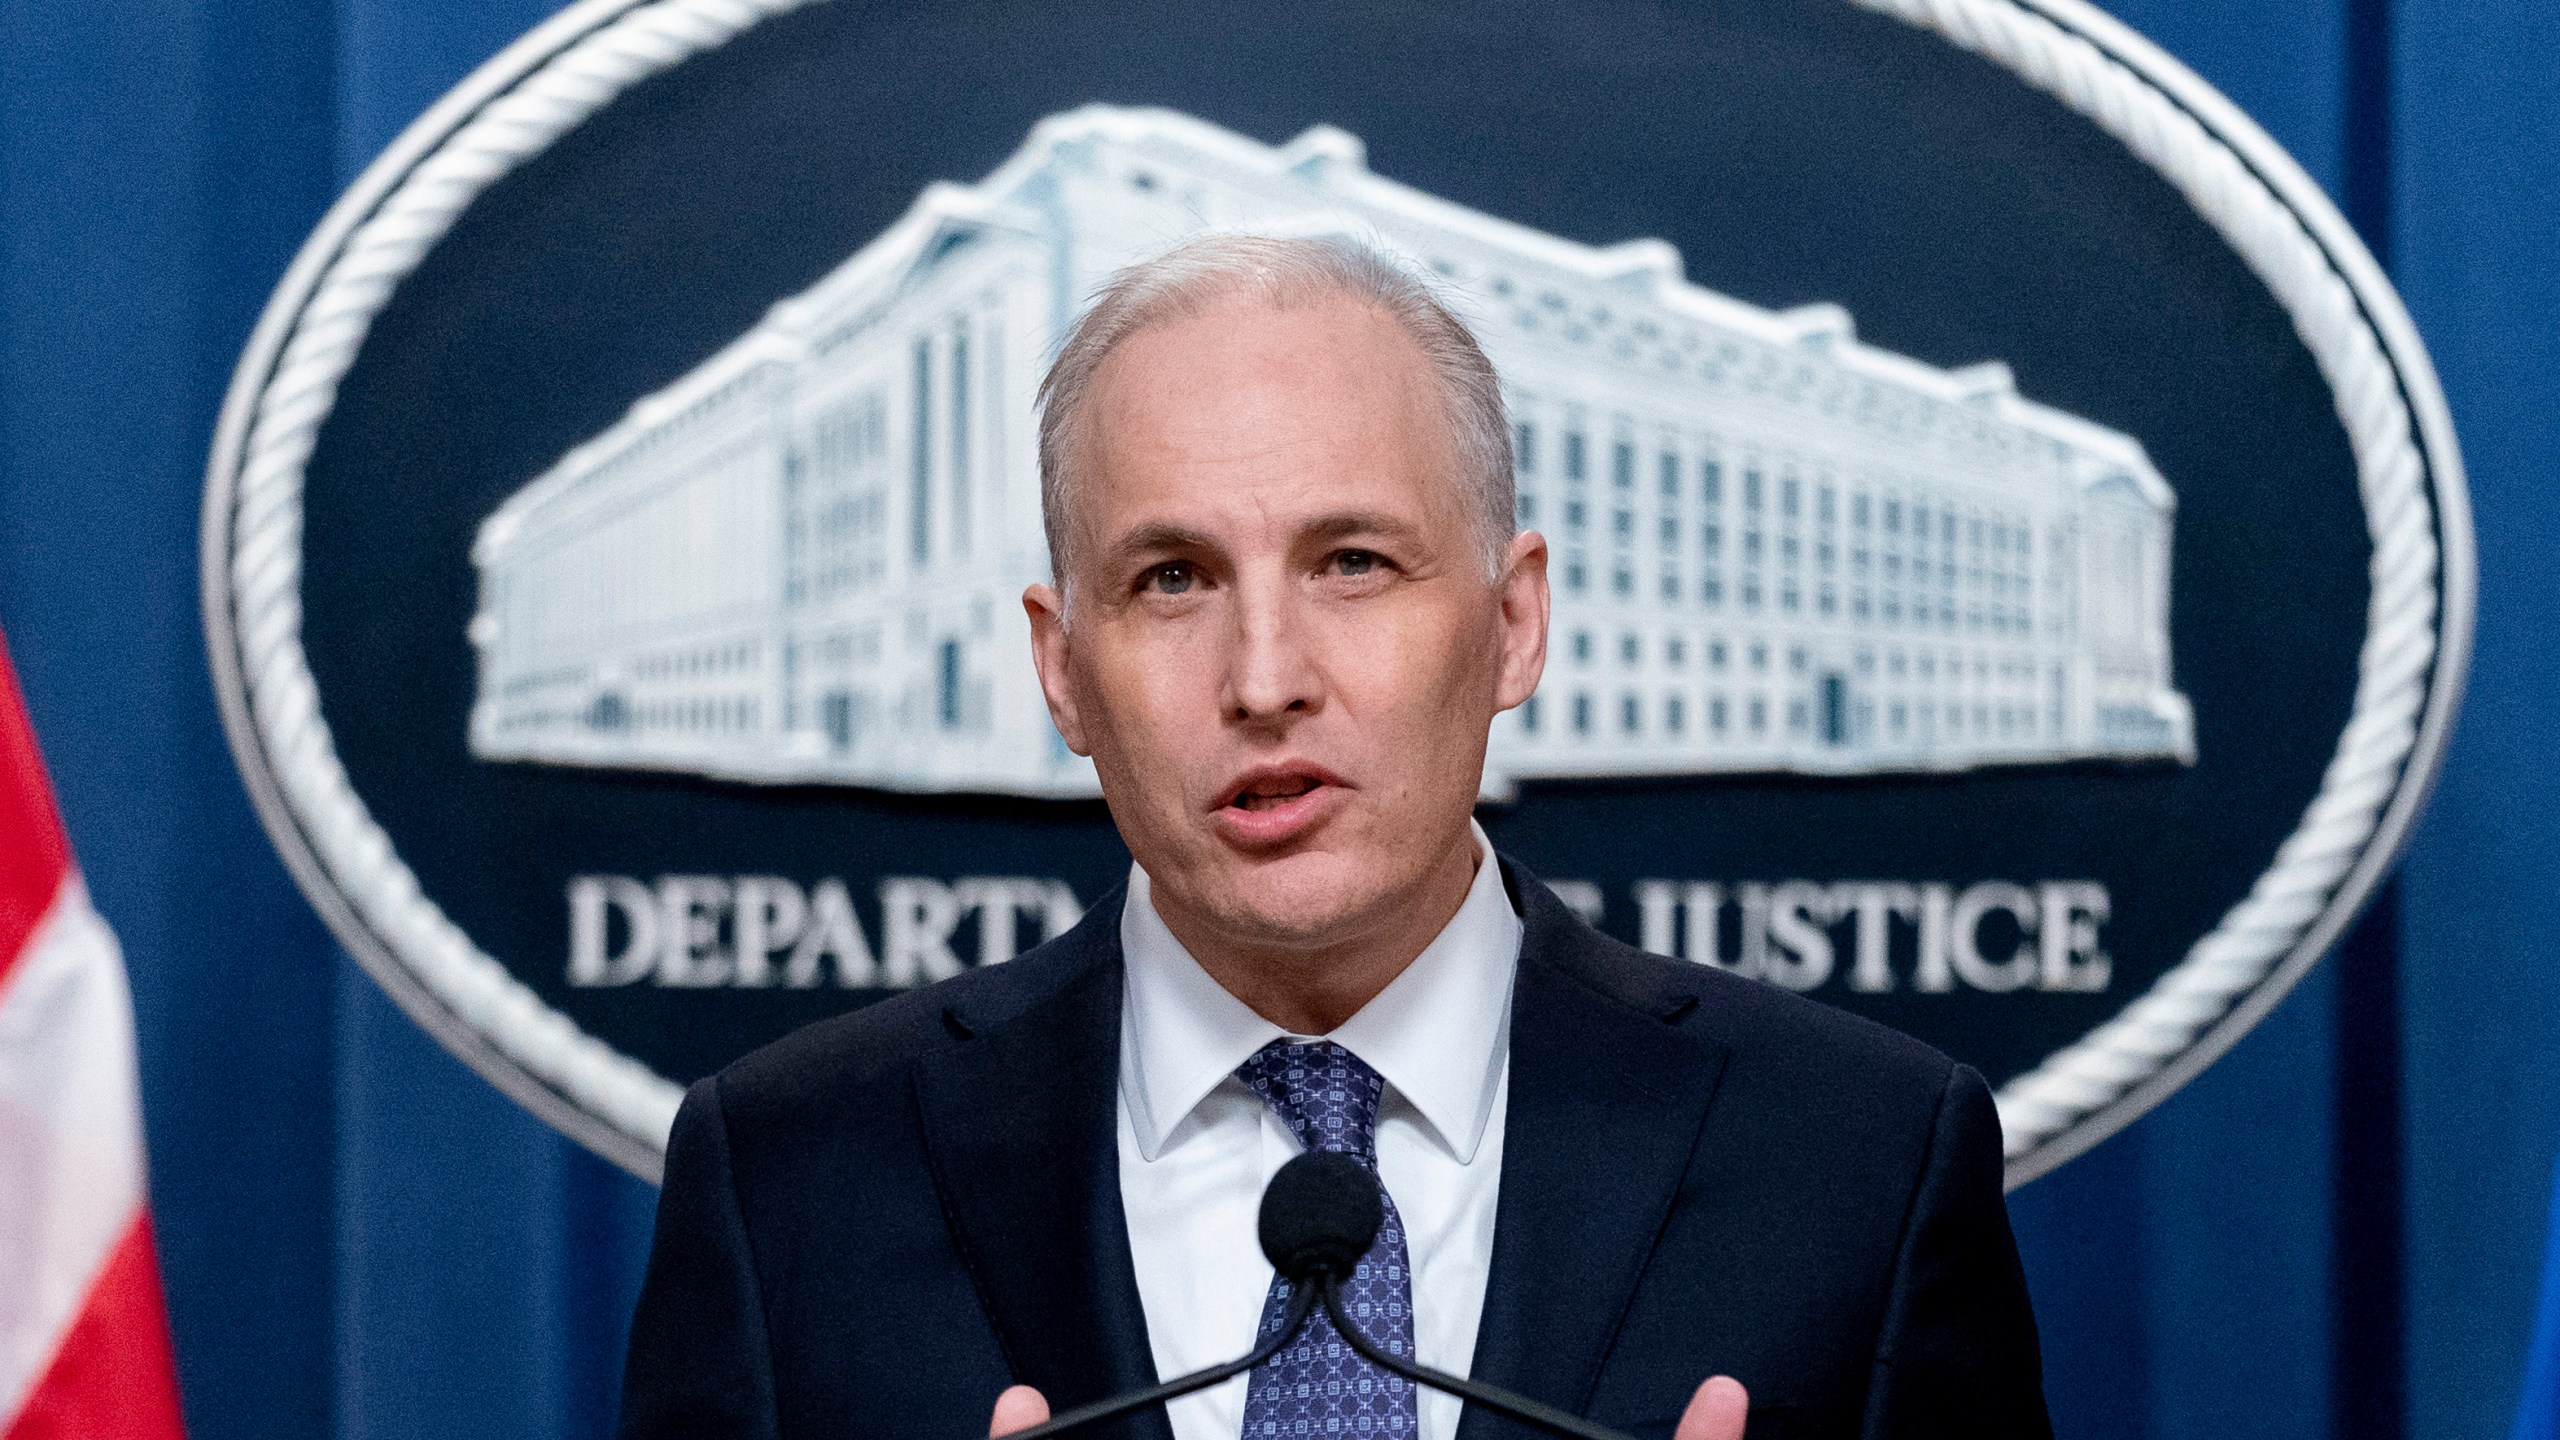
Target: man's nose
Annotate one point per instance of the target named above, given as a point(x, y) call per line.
point(1272, 675)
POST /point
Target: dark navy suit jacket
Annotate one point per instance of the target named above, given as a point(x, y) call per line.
point(875, 1225)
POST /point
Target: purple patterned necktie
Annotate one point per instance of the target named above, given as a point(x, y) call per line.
point(1317, 1386)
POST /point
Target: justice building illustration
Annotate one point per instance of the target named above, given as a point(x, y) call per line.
point(1775, 547)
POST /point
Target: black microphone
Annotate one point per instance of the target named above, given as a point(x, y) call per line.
point(1320, 1214)
point(1313, 1224)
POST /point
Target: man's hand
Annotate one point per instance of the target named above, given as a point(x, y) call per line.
point(1022, 1407)
point(1714, 1413)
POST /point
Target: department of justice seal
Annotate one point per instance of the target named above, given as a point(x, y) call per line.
point(2012, 572)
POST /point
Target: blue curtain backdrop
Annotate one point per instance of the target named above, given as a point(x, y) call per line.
point(2335, 1232)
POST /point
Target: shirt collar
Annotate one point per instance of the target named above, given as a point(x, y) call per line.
point(1439, 1033)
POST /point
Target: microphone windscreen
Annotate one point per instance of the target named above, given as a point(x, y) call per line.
point(1320, 1214)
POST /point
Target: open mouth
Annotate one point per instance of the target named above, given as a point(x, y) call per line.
point(1273, 791)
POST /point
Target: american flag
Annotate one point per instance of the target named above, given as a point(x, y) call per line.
point(84, 1337)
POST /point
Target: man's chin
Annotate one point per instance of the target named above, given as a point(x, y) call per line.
point(1308, 900)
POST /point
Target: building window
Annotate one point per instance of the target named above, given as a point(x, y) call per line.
point(1759, 714)
point(1711, 590)
point(1581, 714)
point(1627, 649)
point(1582, 646)
point(1524, 447)
point(1574, 457)
point(949, 706)
point(1573, 576)
point(1751, 489)
point(1676, 650)
point(1711, 482)
point(1622, 465)
point(1670, 476)
point(960, 439)
point(1630, 714)
point(1670, 587)
point(1573, 516)
point(1623, 581)
point(1715, 654)
point(1529, 715)
point(920, 523)
point(1716, 714)
point(1675, 715)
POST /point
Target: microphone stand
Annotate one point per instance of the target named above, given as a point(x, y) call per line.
point(1302, 1303)
point(1320, 1214)
point(1499, 1401)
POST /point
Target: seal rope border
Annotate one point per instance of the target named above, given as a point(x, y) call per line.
point(515, 106)
point(2422, 585)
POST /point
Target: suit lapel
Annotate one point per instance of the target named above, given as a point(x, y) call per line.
point(1608, 1093)
point(1021, 1122)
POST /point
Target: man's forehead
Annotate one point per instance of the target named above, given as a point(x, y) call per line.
point(1241, 383)
point(1281, 419)
point(1230, 335)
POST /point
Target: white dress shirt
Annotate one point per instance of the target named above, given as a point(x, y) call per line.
point(1196, 1147)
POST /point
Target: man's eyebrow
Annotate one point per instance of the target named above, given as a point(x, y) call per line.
point(1158, 538)
point(1163, 537)
point(1346, 524)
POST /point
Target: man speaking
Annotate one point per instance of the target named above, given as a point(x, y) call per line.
point(1290, 599)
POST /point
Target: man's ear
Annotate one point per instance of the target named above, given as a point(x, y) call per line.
point(1049, 648)
point(1523, 591)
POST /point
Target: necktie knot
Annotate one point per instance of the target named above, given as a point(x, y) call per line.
point(1327, 1096)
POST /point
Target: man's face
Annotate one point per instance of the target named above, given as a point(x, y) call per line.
point(1284, 651)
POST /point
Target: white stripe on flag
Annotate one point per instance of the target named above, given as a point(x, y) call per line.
point(70, 1132)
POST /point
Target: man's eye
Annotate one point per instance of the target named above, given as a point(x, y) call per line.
point(1354, 562)
point(1173, 578)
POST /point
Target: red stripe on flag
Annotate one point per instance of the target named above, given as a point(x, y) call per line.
point(33, 855)
point(112, 1374)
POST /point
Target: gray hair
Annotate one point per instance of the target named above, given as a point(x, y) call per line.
point(1288, 274)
